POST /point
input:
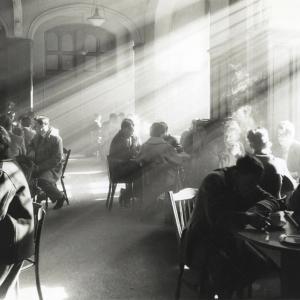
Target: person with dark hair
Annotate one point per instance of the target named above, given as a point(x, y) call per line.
point(46, 150)
point(17, 145)
point(276, 179)
point(123, 150)
point(160, 163)
point(227, 199)
point(28, 132)
point(16, 217)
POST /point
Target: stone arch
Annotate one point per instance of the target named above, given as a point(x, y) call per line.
point(83, 11)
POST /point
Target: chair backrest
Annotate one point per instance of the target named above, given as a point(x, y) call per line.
point(182, 204)
point(65, 160)
point(113, 165)
point(39, 217)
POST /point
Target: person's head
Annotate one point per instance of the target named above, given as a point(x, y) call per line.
point(157, 130)
point(127, 127)
point(166, 126)
point(26, 121)
point(259, 140)
point(4, 143)
point(232, 132)
point(285, 133)
point(6, 122)
point(42, 125)
point(121, 116)
point(248, 174)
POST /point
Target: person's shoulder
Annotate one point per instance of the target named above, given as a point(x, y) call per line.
point(215, 178)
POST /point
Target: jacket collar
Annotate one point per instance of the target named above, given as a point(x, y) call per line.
point(156, 140)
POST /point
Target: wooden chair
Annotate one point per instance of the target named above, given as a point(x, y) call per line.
point(67, 153)
point(39, 217)
point(183, 203)
point(113, 181)
point(182, 206)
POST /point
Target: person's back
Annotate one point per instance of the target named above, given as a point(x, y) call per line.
point(16, 217)
point(228, 198)
point(276, 178)
point(19, 212)
point(160, 163)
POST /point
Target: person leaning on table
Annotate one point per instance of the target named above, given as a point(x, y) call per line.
point(229, 198)
point(16, 217)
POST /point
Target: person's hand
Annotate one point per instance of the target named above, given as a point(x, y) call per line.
point(258, 221)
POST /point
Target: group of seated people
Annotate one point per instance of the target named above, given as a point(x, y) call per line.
point(25, 168)
point(38, 149)
point(245, 188)
point(157, 159)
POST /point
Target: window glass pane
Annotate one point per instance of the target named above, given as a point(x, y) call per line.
point(90, 43)
point(90, 63)
point(52, 62)
point(67, 42)
point(67, 62)
point(51, 41)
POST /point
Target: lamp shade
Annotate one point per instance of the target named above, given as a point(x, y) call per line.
point(96, 19)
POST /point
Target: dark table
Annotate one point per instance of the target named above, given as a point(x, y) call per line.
point(289, 256)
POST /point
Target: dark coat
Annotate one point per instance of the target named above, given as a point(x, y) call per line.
point(123, 148)
point(16, 214)
point(48, 155)
point(219, 209)
point(160, 163)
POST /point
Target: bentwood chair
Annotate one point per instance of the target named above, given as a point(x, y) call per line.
point(67, 153)
point(113, 181)
point(39, 217)
point(183, 203)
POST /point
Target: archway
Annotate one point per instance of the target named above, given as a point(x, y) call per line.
point(63, 97)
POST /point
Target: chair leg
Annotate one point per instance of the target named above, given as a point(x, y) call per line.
point(178, 287)
point(114, 185)
point(108, 195)
point(37, 277)
point(64, 190)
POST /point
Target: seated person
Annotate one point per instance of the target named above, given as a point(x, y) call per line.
point(229, 198)
point(276, 179)
point(16, 218)
point(17, 145)
point(288, 148)
point(28, 132)
point(123, 150)
point(160, 163)
point(46, 150)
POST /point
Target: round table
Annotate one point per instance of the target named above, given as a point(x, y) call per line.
point(289, 255)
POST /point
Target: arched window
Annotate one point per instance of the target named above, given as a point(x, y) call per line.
point(51, 41)
point(67, 43)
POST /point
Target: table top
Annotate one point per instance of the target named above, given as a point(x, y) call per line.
point(270, 239)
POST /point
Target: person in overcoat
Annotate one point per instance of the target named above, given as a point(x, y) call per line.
point(46, 150)
point(16, 217)
point(228, 199)
point(160, 162)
